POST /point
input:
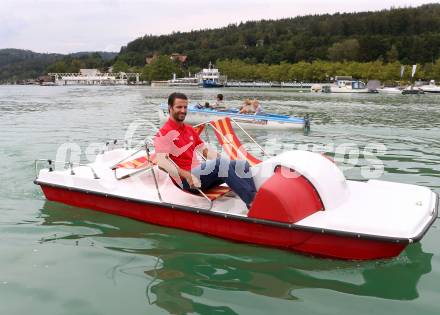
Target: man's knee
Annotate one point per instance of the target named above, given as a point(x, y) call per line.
point(242, 169)
point(223, 166)
point(208, 167)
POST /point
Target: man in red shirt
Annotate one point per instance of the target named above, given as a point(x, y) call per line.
point(179, 142)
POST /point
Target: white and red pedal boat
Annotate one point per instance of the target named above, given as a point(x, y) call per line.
point(303, 203)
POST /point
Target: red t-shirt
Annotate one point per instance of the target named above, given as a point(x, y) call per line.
point(179, 141)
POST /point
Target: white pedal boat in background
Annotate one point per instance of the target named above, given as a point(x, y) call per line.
point(249, 121)
point(303, 203)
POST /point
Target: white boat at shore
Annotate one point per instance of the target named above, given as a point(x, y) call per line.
point(259, 121)
point(347, 85)
point(211, 78)
point(430, 88)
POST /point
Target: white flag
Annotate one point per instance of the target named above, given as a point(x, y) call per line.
point(413, 71)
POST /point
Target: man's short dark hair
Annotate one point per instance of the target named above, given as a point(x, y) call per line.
point(174, 96)
point(220, 97)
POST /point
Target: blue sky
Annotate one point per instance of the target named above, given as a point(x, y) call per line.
point(65, 26)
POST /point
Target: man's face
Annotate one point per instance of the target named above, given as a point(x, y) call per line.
point(179, 109)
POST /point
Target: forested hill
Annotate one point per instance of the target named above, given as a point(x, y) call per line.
point(18, 64)
point(408, 35)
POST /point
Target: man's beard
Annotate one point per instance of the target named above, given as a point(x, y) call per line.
point(177, 118)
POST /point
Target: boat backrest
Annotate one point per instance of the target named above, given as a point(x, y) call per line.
point(137, 163)
point(199, 128)
point(229, 141)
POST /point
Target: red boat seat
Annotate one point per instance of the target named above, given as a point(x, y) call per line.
point(139, 162)
point(216, 192)
point(229, 141)
point(285, 197)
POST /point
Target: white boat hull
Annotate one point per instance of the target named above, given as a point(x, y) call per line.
point(430, 89)
point(335, 89)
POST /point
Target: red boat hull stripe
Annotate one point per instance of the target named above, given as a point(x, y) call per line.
point(307, 242)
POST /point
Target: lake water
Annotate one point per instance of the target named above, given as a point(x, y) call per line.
point(57, 259)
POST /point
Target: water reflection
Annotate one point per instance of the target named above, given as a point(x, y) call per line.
point(188, 268)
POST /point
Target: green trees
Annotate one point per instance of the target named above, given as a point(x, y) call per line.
point(72, 63)
point(348, 49)
point(120, 66)
point(161, 68)
point(407, 35)
point(322, 71)
point(59, 66)
point(392, 54)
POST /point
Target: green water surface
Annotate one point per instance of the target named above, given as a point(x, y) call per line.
point(56, 259)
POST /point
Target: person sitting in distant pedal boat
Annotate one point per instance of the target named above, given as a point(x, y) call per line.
point(257, 107)
point(219, 103)
point(247, 107)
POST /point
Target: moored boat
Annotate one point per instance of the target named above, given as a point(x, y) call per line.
point(250, 121)
point(347, 85)
point(410, 90)
point(303, 203)
point(430, 88)
point(210, 78)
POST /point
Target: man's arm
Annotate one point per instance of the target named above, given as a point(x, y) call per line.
point(165, 163)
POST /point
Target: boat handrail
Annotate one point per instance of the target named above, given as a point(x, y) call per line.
point(208, 123)
point(125, 158)
point(262, 150)
point(52, 163)
point(147, 149)
point(139, 148)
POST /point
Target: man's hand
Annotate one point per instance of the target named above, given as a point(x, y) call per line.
point(192, 180)
point(209, 153)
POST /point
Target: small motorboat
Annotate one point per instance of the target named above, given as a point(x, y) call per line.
point(303, 202)
point(347, 85)
point(411, 90)
point(197, 115)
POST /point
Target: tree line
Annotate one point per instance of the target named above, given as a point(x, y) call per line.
point(323, 71)
point(72, 63)
point(163, 68)
point(407, 35)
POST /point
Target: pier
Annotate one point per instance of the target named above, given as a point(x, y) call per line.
point(94, 77)
point(261, 84)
